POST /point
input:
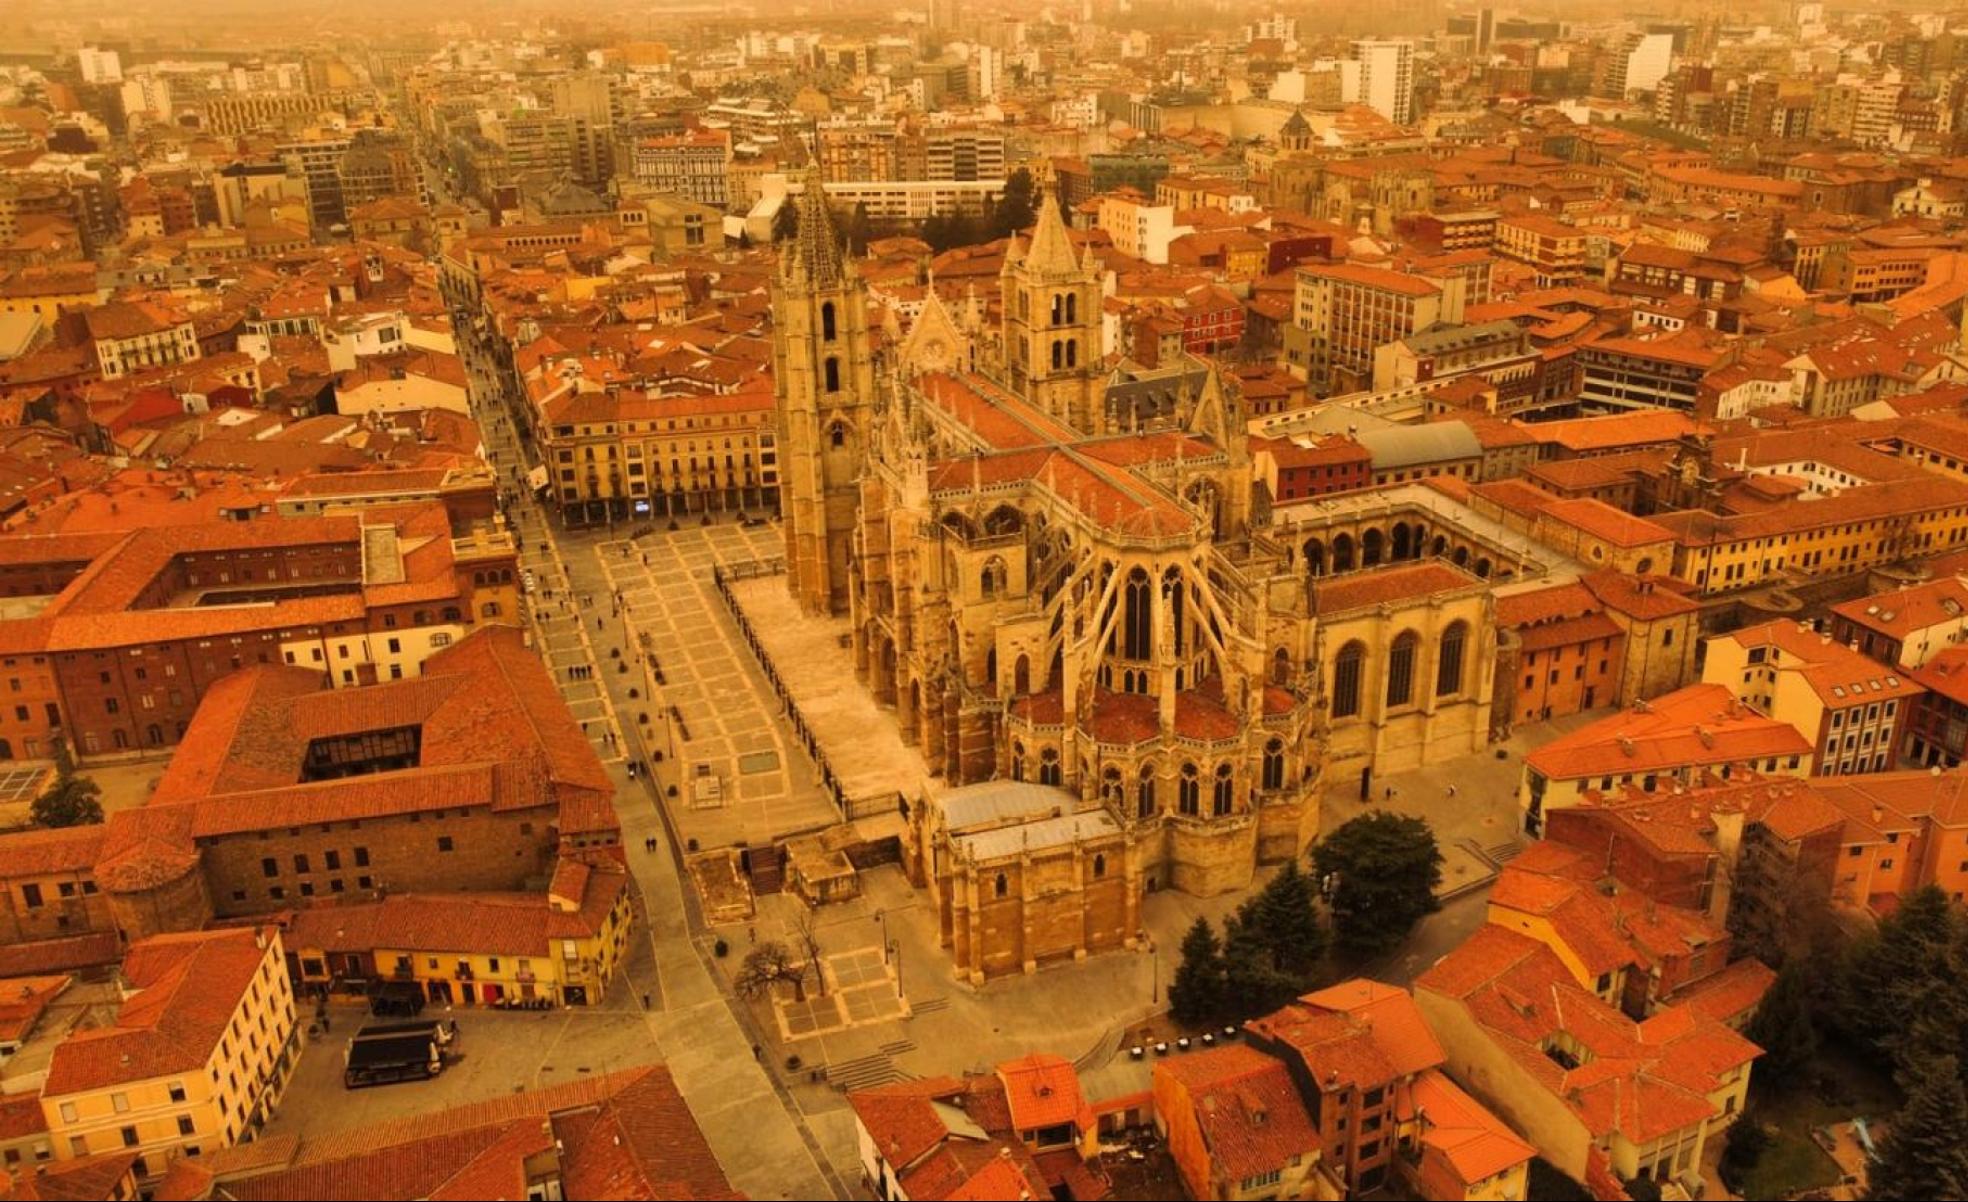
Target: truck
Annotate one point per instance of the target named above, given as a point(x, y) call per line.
point(387, 1052)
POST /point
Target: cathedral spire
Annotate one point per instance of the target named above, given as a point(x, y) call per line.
point(1052, 251)
point(818, 256)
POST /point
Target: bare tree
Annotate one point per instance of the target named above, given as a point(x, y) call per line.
point(770, 963)
point(810, 939)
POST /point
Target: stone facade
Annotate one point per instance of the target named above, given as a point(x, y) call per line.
point(1057, 581)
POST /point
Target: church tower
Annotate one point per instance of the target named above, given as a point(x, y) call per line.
point(823, 370)
point(1052, 326)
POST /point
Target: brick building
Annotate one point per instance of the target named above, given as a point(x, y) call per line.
point(125, 645)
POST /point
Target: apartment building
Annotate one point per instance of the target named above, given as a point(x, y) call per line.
point(1684, 737)
point(195, 1061)
point(1850, 706)
point(691, 165)
point(1343, 313)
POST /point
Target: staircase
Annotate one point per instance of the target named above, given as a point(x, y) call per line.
point(766, 867)
point(866, 1072)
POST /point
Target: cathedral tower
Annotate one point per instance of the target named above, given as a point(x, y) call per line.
point(1052, 340)
point(823, 371)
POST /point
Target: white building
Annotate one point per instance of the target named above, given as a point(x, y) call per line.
point(1387, 76)
point(1649, 61)
point(99, 66)
point(1140, 228)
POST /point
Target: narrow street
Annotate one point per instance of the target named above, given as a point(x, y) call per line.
point(759, 1135)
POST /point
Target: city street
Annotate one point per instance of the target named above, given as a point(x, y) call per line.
point(764, 1144)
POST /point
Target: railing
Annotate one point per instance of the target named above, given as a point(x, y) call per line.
point(721, 578)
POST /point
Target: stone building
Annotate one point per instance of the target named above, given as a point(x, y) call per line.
point(1021, 874)
point(1057, 581)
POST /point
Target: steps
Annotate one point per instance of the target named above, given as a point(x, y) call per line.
point(866, 1072)
point(929, 1005)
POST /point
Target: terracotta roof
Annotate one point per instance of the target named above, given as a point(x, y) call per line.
point(188, 988)
point(1252, 1119)
point(1382, 585)
point(1700, 724)
point(626, 1135)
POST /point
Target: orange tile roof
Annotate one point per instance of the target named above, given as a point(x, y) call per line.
point(1042, 1091)
point(1644, 1080)
point(625, 1135)
point(188, 987)
point(1252, 1119)
point(1474, 1142)
point(1377, 586)
point(1700, 724)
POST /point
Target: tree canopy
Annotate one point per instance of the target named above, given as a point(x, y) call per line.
point(1379, 873)
point(72, 800)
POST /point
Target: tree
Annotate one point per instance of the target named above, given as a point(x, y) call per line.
point(1379, 873)
point(1253, 984)
point(1925, 1152)
point(1016, 209)
point(1196, 994)
point(786, 222)
point(1283, 919)
point(1546, 1182)
point(1889, 974)
point(770, 963)
point(1785, 1026)
point(72, 800)
point(1747, 1143)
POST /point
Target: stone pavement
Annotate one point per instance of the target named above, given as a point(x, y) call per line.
point(731, 729)
point(759, 1136)
point(858, 734)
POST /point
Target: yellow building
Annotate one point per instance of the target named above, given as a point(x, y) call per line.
point(1849, 705)
point(1603, 1097)
point(478, 948)
point(1851, 531)
point(631, 454)
point(1685, 736)
point(196, 1060)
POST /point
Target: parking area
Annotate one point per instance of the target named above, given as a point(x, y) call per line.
point(499, 1053)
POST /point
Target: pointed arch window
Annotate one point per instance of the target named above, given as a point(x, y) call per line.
point(827, 322)
point(1225, 792)
point(1072, 309)
point(1189, 790)
point(833, 374)
point(1448, 667)
point(1400, 669)
point(1346, 680)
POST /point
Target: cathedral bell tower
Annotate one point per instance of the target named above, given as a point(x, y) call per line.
point(1052, 325)
point(823, 373)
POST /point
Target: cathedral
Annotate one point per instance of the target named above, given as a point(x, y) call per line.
point(1063, 573)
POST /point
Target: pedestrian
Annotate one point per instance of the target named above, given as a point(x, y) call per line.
point(1452, 790)
point(1390, 793)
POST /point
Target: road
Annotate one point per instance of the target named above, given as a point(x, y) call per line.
point(758, 1134)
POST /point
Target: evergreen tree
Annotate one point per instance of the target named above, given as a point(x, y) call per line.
point(786, 222)
point(1382, 870)
point(1196, 995)
point(72, 800)
point(1889, 973)
point(1283, 918)
point(1785, 1027)
point(1017, 209)
point(1925, 1152)
point(1252, 983)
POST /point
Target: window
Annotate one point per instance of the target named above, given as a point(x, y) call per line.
point(68, 1112)
point(1448, 662)
point(1225, 791)
point(1274, 765)
point(827, 332)
point(1667, 637)
point(1400, 669)
point(186, 1126)
point(177, 1091)
point(129, 1137)
point(31, 895)
point(301, 864)
point(1188, 790)
point(270, 867)
point(1000, 886)
point(1144, 793)
point(444, 843)
point(362, 857)
point(1346, 680)
point(833, 374)
point(120, 1103)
